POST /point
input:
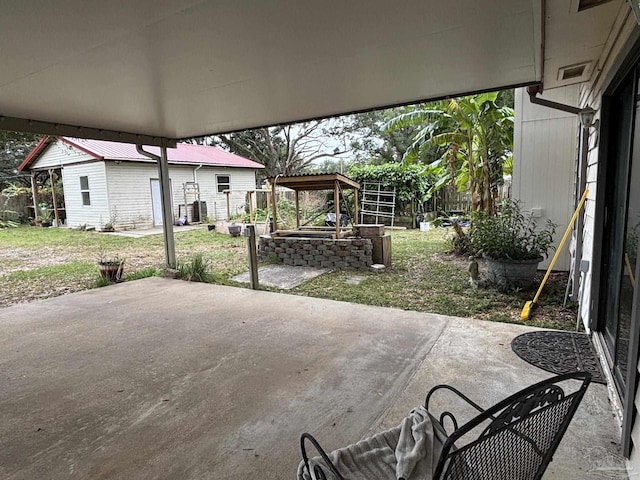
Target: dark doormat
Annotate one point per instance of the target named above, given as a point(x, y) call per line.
point(559, 352)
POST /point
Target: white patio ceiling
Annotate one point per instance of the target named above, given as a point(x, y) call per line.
point(184, 68)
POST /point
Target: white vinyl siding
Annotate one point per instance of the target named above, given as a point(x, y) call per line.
point(241, 181)
point(130, 191)
point(59, 154)
point(96, 214)
point(545, 141)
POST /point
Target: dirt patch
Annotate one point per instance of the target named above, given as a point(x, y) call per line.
point(20, 259)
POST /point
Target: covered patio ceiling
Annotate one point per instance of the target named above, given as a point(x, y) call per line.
point(171, 69)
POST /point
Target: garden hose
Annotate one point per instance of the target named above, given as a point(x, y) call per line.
point(527, 311)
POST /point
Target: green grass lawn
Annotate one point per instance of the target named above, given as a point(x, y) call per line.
point(44, 262)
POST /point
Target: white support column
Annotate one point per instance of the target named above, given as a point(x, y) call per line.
point(167, 214)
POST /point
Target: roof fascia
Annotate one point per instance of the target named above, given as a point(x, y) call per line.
point(35, 153)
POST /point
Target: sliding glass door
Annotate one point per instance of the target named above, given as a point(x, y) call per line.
point(621, 224)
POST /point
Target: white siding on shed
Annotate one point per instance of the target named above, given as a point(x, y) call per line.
point(130, 193)
point(59, 154)
point(96, 214)
point(129, 186)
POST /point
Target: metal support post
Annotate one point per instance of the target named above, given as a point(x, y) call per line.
point(165, 194)
point(167, 214)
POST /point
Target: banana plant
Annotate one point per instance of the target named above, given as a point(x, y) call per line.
point(476, 136)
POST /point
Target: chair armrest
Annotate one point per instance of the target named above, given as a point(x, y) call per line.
point(447, 414)
point(318, 473)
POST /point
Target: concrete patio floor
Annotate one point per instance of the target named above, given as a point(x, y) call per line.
point(166, 379)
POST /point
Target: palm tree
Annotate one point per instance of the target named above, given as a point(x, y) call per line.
point(477, 137)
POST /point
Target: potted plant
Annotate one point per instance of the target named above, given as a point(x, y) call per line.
point(108, 227)
point(111, 268)
point(511, 243)
point(45, 214)
point(235, 230)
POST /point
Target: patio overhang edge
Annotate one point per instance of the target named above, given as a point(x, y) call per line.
point(59, 129)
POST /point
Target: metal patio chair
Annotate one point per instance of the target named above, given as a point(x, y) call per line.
point(513, 440)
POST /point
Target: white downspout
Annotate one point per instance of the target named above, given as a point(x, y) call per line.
point(195, 173)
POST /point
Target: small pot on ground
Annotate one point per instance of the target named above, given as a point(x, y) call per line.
point(235, 230)
point(111, 269)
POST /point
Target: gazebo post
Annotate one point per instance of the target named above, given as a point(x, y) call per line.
point(274, 208)
point(297, 210)
point(355, 205)
point(251, 217)
point(227, 192)
point(336, 202)
point(53, 198)
point(34, 195)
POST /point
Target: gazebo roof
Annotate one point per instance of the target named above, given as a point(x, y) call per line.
point(321, 181)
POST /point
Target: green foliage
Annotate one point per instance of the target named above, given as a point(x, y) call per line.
point(412, 183)
point(510, 233)
point(14, 147)
point(44, 212)
point(197, 269)
point(6, 223)
point(142, 273)
point(475, 134)
point(102, 281)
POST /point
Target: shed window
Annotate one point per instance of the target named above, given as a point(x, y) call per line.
point(84, 190)
point(224, 183)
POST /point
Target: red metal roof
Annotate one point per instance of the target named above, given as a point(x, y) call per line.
point(185, 153)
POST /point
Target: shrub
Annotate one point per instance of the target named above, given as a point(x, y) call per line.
point(510, 233)
point(196, 270)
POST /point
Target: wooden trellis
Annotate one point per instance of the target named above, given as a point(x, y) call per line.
point(377, 203)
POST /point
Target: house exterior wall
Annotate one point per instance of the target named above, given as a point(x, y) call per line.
point(97, 213)
point(544, 141)
point(591, 93)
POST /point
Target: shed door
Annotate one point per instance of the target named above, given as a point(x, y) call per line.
point(156, 202)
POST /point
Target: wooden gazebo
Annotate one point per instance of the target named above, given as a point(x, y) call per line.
point(301, 183)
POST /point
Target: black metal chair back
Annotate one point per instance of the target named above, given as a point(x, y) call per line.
point(518, 436)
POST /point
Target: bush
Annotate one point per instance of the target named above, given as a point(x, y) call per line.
point(510, 234)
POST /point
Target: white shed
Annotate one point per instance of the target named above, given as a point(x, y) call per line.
point(109, 182)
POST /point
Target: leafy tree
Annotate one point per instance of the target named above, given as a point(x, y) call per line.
point(477, 137)
point(289, 149)
point(14, 147)
point(378, 145)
